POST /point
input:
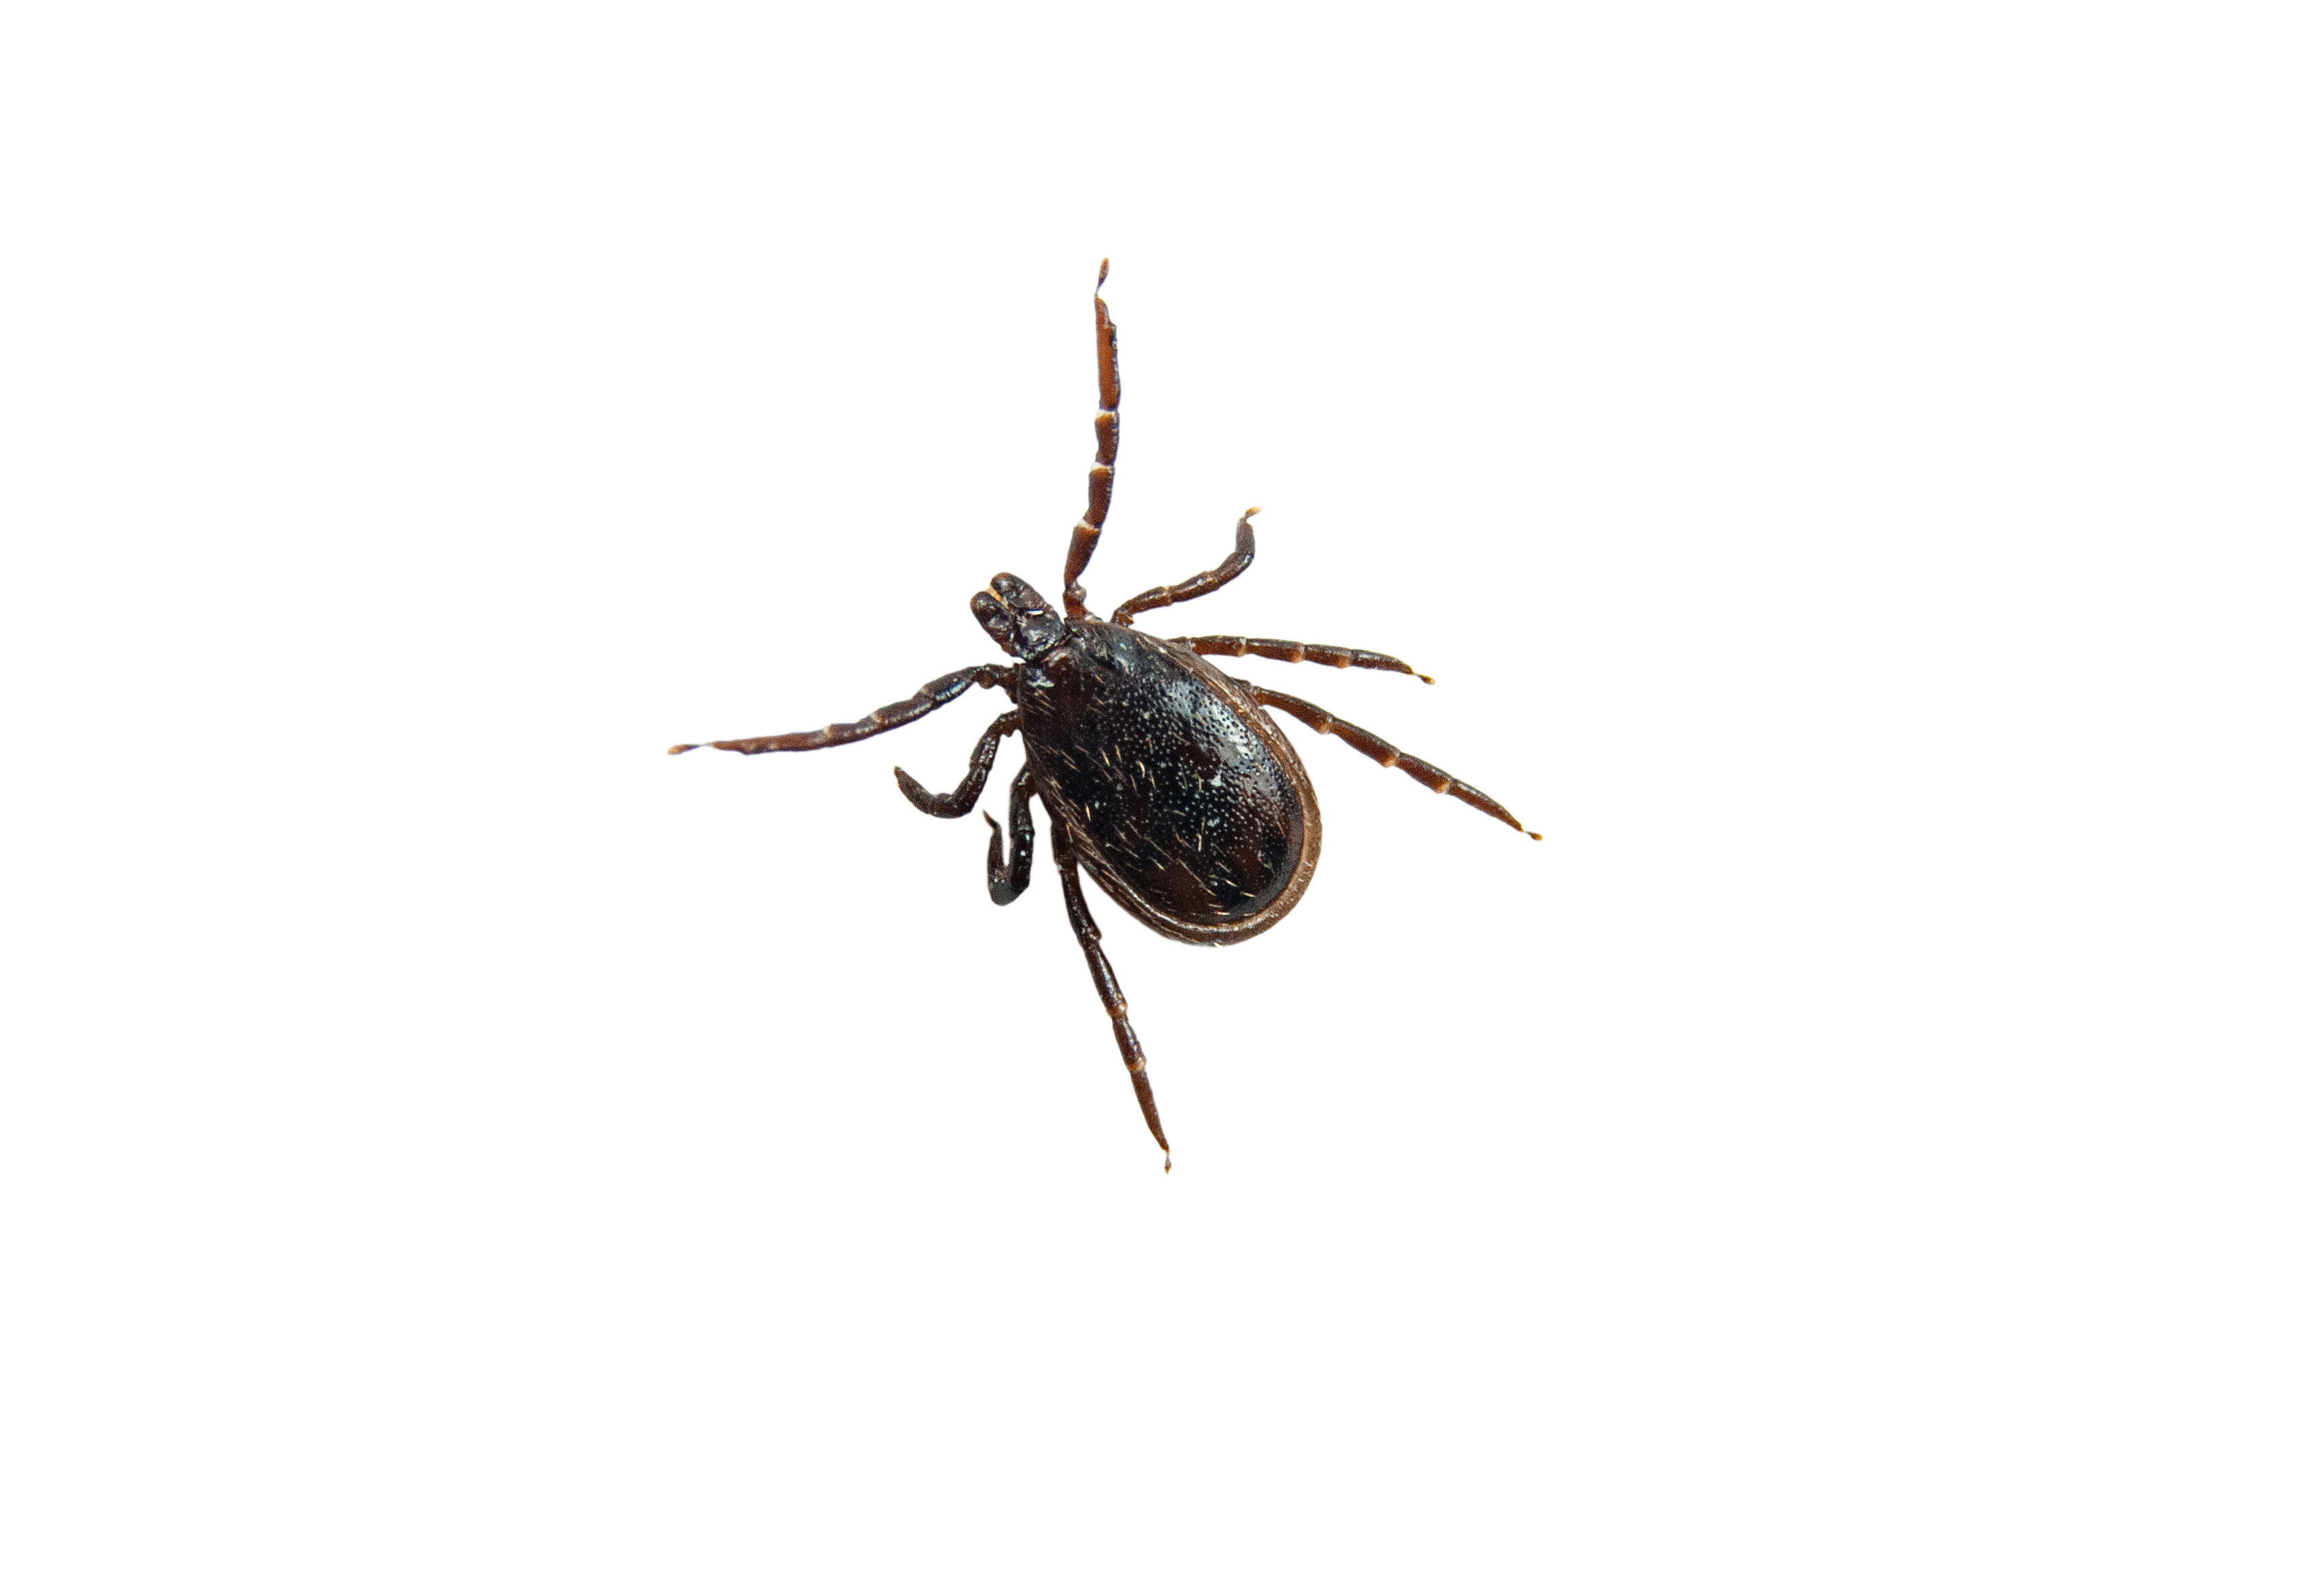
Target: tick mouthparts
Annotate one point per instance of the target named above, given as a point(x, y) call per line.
point(1014, 615)
point(1019, 594)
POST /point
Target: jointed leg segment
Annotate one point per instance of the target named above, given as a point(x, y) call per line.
point(1201, 583)
point(1276, 648)
point(1108, 438)
point(1387, 756)
point(957, 802)
point(919, 706)
point(1006, 879)
point(1109, 991)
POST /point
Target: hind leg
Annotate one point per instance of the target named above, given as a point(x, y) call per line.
point(1109, 991)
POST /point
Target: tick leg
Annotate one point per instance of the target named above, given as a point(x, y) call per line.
point(1109, 992)
point(1006, 882)
point(956, 802)
point(1201, 583)
point(1387, 756)
point(1108, 438)
point(919, 706)
point(1276, 648)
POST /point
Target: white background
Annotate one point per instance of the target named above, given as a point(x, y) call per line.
point(1853, 473)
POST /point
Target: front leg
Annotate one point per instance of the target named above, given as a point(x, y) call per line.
point(1108, 991)
point(1109, 441)
point(919, 706)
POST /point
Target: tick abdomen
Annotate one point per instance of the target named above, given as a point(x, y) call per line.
point(1175, 787)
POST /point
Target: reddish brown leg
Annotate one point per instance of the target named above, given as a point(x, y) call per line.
point(1005, 879)
point(1387, 756)
point(1201, 583)
point(919, 706)
point(1276, 648)
point(957, 802)
point(1108, 437)
point(1109, 991)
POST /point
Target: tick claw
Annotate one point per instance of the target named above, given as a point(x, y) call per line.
point(683, 746)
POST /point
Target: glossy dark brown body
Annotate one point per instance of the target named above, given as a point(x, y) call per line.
point(1177, 792)
point(1160, 773)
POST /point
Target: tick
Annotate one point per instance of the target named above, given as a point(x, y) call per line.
point(1158, 772)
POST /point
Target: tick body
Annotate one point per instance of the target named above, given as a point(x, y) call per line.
point(1160, 773)
point(1171, 784)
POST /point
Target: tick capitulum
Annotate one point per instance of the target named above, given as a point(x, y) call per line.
point(1160, 773)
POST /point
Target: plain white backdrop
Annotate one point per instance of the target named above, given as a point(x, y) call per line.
point(1852, 473)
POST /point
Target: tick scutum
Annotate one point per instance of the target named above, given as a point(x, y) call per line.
point(1175, 789)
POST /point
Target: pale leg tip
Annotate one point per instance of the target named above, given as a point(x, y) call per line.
point(683, 746)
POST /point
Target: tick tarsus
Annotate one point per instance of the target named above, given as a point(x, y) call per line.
point(1201, 841)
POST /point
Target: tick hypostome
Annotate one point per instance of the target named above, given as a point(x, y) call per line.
point(1158, 772)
